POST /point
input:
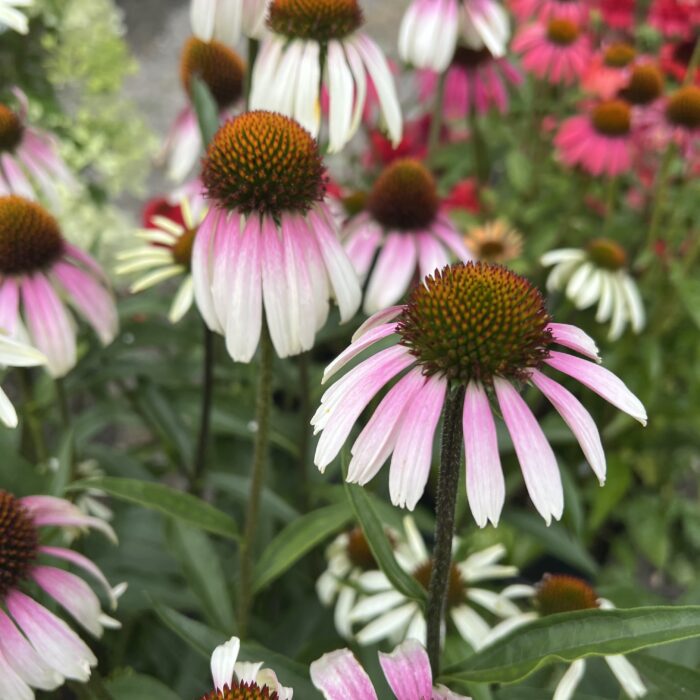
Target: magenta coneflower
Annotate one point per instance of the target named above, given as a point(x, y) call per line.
point(28, 156)
point(37, 648)
point(476, 81)
point(608, 71)
point(268, 240)
point(404, 221)
point(39, 272)
point(482, 329)
point(600, 142)
point(222, 71)
point(574, 10)
point(557, 51)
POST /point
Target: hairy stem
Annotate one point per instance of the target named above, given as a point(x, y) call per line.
point(305, 427)
point(437, 115)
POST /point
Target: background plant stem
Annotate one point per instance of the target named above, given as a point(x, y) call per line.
point(436, 120)
point(448, 482)
point(200, 460)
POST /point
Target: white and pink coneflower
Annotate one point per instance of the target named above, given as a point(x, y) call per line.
point(315, 44)
point(242, 679)
point(339, 676)
point(222, 71)
point(37, 648)
point(29, 159)
point(601, 141)
point(480, 329)
point(14, 354)
point(228, 20)
point(557, 51)
point(476, 81)
point(431, 29)
point(40, 273)
point(269, 243)
point(404, 223)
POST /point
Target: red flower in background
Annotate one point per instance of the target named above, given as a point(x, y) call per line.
point(674, 59)
point(413, 144)
point(675, 18)
point(160, 206)
point(464, 195)
point(618, 14)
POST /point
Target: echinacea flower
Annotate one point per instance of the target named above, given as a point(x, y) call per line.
point(557, 51)
point(608, 71)
point(222, 70)
point(431, 29)
point(268, 243)
point(618, 14)
point(318, 43)
point(484, 330)
point(494, 242)
point(476, 81)
point(560, 594)
point(675, 18)
point(15, 354)
point(600, 141)
point(13, 18)
point(228, 20)
point(598, 274)
point(167, 254)
point(29, 156)
point(239, 680)
point(405, 224)
point(573, 10)
point(339, 676)
point(682, 112)
point(39, 272)
point(37, 648)
point(644, 85)
point(388, 614)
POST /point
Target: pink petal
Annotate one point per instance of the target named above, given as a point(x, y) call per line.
point(202, 265)
point(574, 338)
point(385, 316)
point(392, 272)
point(339, 676)
point(537, 461)
point(486, 489)
point(431, 254)
point(358, 347)
point(11, 685)
point(9, 306)
point(600, 380)
point(407, 671)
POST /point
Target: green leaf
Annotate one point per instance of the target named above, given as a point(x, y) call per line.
point(206, 109)
point(197, 635)
point(554, 539)
point(379, 543)
point(135, 686)
point(677, 682)
point(177, 504)
point(296, 540)
point(202, 567)
point(62, 475)
point(571, 636)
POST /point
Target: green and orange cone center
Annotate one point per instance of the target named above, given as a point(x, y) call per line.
point(562, 31)
point(404, 197)
point(471, 58)
point(683, 108)
point(476, 321)
point(612, 118)
point(560, 594)
point(619, 55)
point(242, 691)
point(19, 543)
point(220, 68)
point(30, 238)
point(182, 248)
point(316, 20)
point(10, 129)
point(264, 162)
point(607, 254)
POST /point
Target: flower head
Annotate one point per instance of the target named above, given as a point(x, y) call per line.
point(37, 648)
point(485, 330)
point(494, 242)
point(315, 44)
point(38, 269)
point(683, 108)
point(645, 84)
point(338, 675)
point(609, 70)
point(573, 10)
point(404, 220)
point(268, 238)
point(598, 274)
point(237, 680)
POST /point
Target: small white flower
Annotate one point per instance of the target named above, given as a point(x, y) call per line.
point(598, 274)
point(11, 17)
point(228, 20)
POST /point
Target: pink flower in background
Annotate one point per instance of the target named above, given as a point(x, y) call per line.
point(405, 228)
point(339, 676)
point(464, 196)
point(618, 14)
point(40, 275)
point(29, 157)
point(675, 18)
point(37, 648)
point(431, 29)
point(222, 70)
point(608, 70)
point(573, 10)
point(600, 141)
point(483, 330)
point(557, 51)
point(475, 81)
point(268, 247)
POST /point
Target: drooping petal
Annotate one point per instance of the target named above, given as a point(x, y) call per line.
point(223, 661)
point(407, 670)
point(574, 338)
point(341, 95)
point(570, 680)
point(358, 347)
point(627, 676)
point(275, 290)
point(384, 316)
point(339, 676)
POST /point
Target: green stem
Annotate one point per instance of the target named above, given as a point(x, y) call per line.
point(33, 442)
point(448, 483)
point(305, 428)
point(63, 405)
point(253, 47)
point(661, 190)
point(481, 165)
point(436, 120)
point(611, 195)
point(693, 64)
point(200, 460)
point(257, 476)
